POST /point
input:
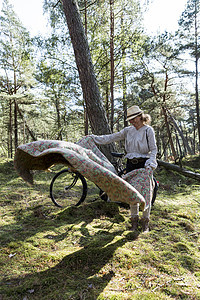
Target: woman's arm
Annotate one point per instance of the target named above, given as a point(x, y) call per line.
point(109, 138)
point(151, 162)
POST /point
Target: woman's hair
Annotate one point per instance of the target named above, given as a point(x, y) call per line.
point(146, 118)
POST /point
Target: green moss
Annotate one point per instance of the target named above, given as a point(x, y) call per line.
point(15, 245)
point(182, 247)
point(197, 274)
point(188, 262)
point(88, 252)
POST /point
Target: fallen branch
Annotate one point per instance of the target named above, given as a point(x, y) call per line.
point(178, 169)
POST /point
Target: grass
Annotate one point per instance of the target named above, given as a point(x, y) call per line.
point(88, 252)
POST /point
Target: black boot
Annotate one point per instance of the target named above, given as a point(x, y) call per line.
point(134, 223)
point(145, 224)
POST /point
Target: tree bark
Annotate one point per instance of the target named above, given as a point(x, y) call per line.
point(196, 76)
point(59, 131)
point(15, 125)
point(112, 72)
point(91, 93)
point(178, 169)
point(164, 110)
point(124, 83)
point(10, 128)
point(169, 133)
point(84, 64)
point(166, 118)
point(86, 123)
point(25, 123)
point(186, 145)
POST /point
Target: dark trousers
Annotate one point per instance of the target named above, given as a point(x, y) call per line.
point(130, 166)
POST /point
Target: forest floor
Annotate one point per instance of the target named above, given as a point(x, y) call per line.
point(88, 252)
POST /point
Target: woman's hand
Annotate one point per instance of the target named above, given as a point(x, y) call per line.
point(148, 167)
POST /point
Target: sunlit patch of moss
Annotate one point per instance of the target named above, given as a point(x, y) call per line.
point(188, 262)
point(182, 247)
point(88, 252)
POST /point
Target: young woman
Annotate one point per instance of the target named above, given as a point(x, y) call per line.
point(141, 151)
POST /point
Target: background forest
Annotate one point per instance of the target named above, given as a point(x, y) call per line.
point(40, 90)
point(88, 251)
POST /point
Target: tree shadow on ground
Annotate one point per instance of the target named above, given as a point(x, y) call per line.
point(77, 275)
point(31, 220)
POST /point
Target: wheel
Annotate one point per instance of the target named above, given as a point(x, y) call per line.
point(68, 188)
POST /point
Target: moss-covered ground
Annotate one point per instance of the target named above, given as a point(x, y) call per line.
point(88, 252)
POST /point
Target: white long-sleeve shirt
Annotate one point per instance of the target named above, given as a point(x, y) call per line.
point(138, 143)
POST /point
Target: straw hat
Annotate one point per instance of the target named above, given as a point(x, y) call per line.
point(133, 112)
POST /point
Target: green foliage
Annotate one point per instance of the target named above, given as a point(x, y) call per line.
point(16, 66)
point(187, 18)
point(88, 252)
point(149, 72)
point(16, 53)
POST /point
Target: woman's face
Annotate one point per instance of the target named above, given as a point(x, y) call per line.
point(137, 122)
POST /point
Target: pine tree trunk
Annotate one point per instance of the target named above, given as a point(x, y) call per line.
point(169, 133)
point(196, 80)
point(124, 88)
point(164, 110)
point(86, 128)
point(124, 85)
point(107, 103)
point(10, 140)
point(112, 64)
point(59, 135)
point(25, 123)
point(86, 121)
point(178, 169)
point(197, 103)
point(15, 125)
point(91, 93)
point(186, 145)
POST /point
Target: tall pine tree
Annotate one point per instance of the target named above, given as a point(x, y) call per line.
point(190, 37)
point(16, 70)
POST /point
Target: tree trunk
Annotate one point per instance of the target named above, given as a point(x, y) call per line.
point(164, 110)
point(124, 85)
point(86, 128)
point(169, 133)
point(158, 141)
point(107, 102)
point(15, 125)
point(84, 64)
point(26, 125)
point(10, 140)
point(91, 93)
point(112, 64)
point(186, 145)
point(178, 169)
point(86, 124)
point(59, 127)
point(196, 80)
point(124, 88)
point(194, 137)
